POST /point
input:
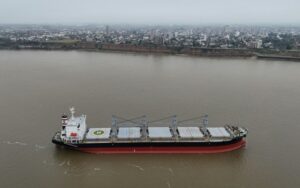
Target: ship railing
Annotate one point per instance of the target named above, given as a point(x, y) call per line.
point(230, 131)
point(236, 131)
point(56, 136)
point(73, 139)
point(191, 138)
point(171, 139)
point(161, 139)
point(243, 131)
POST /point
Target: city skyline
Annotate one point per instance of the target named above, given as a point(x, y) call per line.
point(154, 12)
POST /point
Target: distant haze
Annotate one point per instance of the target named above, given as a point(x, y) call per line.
point(150, 12)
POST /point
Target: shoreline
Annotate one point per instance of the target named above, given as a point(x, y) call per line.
point(277, 57)
point(150, 52)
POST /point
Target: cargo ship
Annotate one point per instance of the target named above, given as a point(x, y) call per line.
point(138, 135)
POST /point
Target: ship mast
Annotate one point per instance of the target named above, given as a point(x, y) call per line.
point(72, 110)
point(205, 120)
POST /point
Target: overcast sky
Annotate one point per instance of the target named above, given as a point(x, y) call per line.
point(150, 11)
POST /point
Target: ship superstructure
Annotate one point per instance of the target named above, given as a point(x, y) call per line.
point(138, 135)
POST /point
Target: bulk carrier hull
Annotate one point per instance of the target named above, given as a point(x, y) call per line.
point(133, 136)
point(158, 148)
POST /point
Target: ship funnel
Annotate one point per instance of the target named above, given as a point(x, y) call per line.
point(64, 119)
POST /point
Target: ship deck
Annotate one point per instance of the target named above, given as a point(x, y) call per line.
point(172, 139)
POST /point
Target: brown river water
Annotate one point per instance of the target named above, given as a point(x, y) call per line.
point(36, 87)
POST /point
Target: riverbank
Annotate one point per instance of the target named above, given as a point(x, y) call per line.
point(193, 51)
point(277, 57)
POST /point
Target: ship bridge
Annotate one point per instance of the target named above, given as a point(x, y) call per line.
point(73, 128)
